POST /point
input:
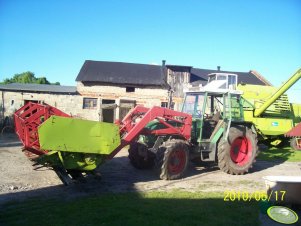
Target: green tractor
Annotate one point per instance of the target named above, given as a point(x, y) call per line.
point(219, 134)
point(227, 121)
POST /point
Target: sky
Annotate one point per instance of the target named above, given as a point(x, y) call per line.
point(54, 38)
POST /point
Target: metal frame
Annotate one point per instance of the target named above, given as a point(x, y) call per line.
point(134, 122)
point(27, 120)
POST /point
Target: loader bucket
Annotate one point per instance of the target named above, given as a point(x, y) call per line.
point(78, 136)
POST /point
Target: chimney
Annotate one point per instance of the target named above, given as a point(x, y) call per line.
point(163, 63)
point(218, 68)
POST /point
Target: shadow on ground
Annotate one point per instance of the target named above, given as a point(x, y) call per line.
point(130, 209)
point(115, 200)
point(9, 140)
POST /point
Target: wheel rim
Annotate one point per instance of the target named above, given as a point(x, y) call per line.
point(176, 162)
point(241, 151)
point(298, 143)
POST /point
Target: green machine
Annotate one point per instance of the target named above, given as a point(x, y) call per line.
point(269, 109)
point(76, 143)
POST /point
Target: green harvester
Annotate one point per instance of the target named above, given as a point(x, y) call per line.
point(269, 109)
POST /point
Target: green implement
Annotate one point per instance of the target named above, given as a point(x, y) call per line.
point(76, 135)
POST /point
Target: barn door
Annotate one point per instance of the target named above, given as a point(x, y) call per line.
point(125, 107)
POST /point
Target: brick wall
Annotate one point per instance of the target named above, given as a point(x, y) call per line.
point(73, 104)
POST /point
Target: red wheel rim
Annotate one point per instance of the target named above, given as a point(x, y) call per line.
point(177, 161)
point(241, 151)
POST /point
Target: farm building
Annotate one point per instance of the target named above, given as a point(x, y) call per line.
point(118, 87)
point(15, 95)
point(106, 91)
point(112, 88)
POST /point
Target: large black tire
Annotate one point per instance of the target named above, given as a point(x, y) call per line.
point(172, 159)
point(294, 145)
point(139, 161)
point(237, 153)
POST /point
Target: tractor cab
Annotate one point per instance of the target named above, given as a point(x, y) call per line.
point(213, 107)
point(224, 81)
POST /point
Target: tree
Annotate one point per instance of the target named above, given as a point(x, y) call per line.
point(42, 80)
point(28, 77)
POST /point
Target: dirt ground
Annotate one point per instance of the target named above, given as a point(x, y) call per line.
point(20, 179)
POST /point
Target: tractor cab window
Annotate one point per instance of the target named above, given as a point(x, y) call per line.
point(193, 105)
point(223, 78)
point(232, 81)
point(212, 78)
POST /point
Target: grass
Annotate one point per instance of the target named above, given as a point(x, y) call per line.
point(280, 154)
point(154, 208)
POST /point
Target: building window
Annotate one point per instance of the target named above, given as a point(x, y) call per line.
point(125, 106)
point(108, 110)
point(165, 105)
point(89, 103)
point(130, 89)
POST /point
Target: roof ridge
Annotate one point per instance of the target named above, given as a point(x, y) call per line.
point(25, 84)
point(103, 61)
point(260, 77)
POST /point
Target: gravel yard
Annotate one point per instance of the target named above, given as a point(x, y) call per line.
point(20, 179)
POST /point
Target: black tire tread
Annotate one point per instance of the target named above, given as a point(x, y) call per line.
point(138, 161)
point(224, 161)
point(162, 158)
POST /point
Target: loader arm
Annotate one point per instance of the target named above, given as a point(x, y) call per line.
point(135, 121)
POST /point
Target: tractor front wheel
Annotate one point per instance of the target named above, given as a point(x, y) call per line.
point(172, 159)
point(237, 153)
point(140, 157)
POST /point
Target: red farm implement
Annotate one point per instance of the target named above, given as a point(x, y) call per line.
point(77, 145)
point(27, 120)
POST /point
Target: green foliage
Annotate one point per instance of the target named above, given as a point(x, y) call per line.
point(27, 77)
point(153, 208)
point(280, 154)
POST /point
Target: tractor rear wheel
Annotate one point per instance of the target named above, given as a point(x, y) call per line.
point(140, 157)
point(296, 143)
point(172, 159)
point(237, 153)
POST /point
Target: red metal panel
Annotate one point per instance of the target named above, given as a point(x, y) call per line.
point(135, 121)
point(294, 132)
